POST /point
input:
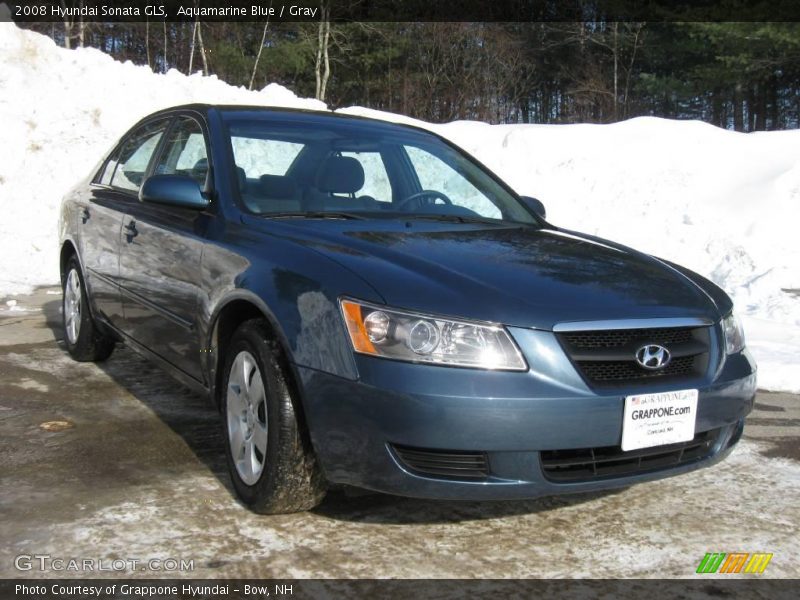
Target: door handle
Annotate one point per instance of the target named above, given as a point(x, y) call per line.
point(131, 231)
point(85, 215)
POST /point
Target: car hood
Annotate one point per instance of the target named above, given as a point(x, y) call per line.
point(521, 276)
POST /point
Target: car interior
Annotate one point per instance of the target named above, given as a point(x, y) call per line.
point(321, 178)
point(334, 189)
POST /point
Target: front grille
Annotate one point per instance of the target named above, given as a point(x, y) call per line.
point(588, 464)
point(616, 338)
point(611, 371)
point(608, 358)
point(448, 464)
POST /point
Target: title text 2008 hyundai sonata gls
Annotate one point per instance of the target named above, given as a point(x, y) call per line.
point(370, 306)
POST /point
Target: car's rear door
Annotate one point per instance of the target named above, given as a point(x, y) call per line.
point(101, 213)
point(160, 255)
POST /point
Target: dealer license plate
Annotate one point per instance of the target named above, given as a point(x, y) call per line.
point(658, 419)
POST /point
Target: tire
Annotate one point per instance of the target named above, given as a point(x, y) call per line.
point(271, 462)
point(84, 340)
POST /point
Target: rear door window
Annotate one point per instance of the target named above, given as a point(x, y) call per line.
point(135, 156)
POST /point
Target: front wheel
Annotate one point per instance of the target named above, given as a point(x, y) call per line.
point(84, 341)
point(271, 462)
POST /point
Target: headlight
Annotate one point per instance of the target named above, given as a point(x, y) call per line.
point(734, 334)
point(413, 337)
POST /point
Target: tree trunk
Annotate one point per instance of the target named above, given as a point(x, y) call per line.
point(326, 73)
point(616, 70)
point(318, 62)
point(191, 46)
point(147, 43)
point(738, 113)
point(639, 27)
point(81, 29)
point(322, 67)
point(258, 56)
point(67, 28)
point(164, 69)
point(716, 108)
point(761, 108)
point(67, 34)
point(202, 47)
point(774, 109)
point(750, 103)
point(404, 101)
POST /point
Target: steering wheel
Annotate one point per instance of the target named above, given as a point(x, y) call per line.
point(415, 200)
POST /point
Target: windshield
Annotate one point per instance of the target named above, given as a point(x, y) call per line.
point(328, 166)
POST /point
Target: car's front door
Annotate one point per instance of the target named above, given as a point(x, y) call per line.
point(160, 257)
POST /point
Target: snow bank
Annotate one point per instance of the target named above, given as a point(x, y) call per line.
point(724, 204)
point(60, 111)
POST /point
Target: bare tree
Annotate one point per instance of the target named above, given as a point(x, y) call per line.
point(258, 56)
point(202, 47)
point(322, 66)
point(636, 31)
point(81, 27)
point(147, 43)
point(68, 23)
point(71, 22)
point(191, 46)
point(165, 47)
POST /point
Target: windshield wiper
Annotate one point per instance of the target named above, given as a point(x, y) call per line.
point(312, 214)
point(457, 219)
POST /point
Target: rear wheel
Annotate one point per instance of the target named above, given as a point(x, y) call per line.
point(84, 341)
point(271, 462)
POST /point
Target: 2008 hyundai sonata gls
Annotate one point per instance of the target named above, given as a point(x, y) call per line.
point(370, 306)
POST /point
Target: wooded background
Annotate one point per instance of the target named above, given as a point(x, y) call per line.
point(741, 76)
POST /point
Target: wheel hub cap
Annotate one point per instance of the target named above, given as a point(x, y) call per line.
point(72, 306)
point(247, 417)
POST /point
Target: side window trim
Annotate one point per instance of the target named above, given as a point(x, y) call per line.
point(156, 156)
point(161, 149)
point(98, 176)
point(130, 134)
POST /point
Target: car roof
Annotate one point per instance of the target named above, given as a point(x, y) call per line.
point(298, 114)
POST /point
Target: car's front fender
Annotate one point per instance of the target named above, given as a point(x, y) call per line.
point(294, 287)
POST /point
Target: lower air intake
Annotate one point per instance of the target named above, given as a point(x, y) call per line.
point(443, 463)
point(587, 464)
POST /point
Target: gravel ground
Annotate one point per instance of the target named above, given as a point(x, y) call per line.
point(139, 474)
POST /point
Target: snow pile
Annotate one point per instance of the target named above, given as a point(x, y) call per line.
point(724, 204)
point(60, 112)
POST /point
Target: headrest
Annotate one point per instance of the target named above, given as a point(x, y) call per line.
point(200, 168)
point(278, 186)
point(241, 176)
point(340, 175)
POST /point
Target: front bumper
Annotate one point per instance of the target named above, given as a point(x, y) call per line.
point(510, 417)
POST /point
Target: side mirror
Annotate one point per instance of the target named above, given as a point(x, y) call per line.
point(534, 205)
point(173, 190)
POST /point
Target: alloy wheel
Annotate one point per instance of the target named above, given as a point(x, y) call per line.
point(247, 417)
point(72, 306)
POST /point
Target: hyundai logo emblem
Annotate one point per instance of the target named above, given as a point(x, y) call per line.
point(653, 356)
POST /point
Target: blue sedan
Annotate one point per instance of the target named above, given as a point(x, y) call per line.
point(368, 305)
